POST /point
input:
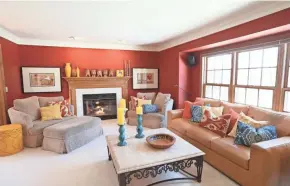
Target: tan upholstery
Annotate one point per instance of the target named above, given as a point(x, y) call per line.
point(260, 114)
point(238, 154)
point(28, 106)
point(148, 95)
point(43, 101)
point(263, 164)
point(212, 102)
point(236, 107)
point(161, 101)
point(181, 125)
point(201, 135)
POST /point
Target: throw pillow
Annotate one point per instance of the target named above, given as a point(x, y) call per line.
point(234, 119)
point(161, 100)
point(29, 106)
point(187, 108)
point(143, 101)
point(217, 125)
point(149, 108)
point(196, 113)
point(147, 95)
point(64, 107)
point(50, 112)
point(248, 120)
point(214, 111)
point(247, 135)
point(134, 103)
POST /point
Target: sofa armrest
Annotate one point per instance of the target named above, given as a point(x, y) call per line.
point(20, 118)
point(270, 162)
point(173, 114)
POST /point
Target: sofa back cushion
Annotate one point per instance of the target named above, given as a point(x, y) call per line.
point(212, 102)
point(28, 106)
point(236, 107)
point(273, 117)
point(161, 100)
point(44, 101)
point(283, 128)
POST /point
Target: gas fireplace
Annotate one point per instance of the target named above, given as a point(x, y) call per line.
point(100, 105)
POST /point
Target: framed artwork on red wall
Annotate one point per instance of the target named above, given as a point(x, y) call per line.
point(145, 78)
point(40, 79)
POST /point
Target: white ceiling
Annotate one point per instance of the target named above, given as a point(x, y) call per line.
point(125, 24)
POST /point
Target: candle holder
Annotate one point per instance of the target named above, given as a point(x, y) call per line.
point(139, 127)
point(122, 136)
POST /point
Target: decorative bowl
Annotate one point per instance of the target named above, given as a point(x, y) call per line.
point(161, 141)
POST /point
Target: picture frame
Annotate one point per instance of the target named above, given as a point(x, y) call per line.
point(41, 79)
point(145, 78)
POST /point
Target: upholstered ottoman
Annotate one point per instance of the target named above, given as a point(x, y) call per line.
point(71, 134)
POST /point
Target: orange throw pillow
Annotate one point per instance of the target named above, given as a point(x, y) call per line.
point(234, 118)
point(187, 108)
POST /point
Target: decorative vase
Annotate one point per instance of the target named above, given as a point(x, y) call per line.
point(67, 70)
point(74, 72)
point(139, 127)
point(78, 72)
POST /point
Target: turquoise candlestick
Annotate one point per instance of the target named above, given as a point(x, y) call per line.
point(122, 136)
point(139, 127)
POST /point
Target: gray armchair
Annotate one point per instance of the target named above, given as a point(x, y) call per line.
point(151, 120)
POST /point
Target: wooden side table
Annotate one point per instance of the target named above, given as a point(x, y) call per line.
point(11, 140)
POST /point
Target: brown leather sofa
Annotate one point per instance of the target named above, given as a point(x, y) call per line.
point(263, 164)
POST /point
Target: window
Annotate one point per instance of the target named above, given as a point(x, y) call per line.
point(254, 76)
point(218, 76)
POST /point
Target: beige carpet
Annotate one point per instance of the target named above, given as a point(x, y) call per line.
point(86, 166)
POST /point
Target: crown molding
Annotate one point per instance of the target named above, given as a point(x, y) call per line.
point(255, 11)
point(258, 10)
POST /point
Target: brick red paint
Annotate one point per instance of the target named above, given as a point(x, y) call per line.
point(84, 58)
point(11, 69)
point(173, 70)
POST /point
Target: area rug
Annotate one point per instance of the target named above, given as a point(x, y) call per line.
point(86, 166)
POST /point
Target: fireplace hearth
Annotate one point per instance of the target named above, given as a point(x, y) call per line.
point(100, 105)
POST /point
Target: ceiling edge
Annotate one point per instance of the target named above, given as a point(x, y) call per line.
point(262, 10)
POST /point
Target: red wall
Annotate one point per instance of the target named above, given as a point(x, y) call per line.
point(10, 54)
point(84, 58)
point(173, 70)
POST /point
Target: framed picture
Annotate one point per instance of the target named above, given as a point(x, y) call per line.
point(120, 73)
point(40, 79)
point(145, 78)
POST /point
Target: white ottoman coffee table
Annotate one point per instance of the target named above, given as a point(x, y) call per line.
point(140, 160)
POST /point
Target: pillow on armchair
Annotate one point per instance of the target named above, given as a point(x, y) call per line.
point(161, 100)
point(149, 108)
point(64, 107)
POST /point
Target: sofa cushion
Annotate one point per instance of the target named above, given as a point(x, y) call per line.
point(44, 101)
point(28, 106)
point(218, 125)
point(273, 117)
point(180, 125)
point(237, 154)
point(236, 107)
point(283, 128)
point(234, 118)
point(201, 135)
point(39, 125)
point(187, 108)
point(247, 135)
point(248, 120)
point(211, 102)
point(161, 100)
point(196, 113)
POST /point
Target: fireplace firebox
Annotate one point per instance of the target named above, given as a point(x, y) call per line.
point(100, 105)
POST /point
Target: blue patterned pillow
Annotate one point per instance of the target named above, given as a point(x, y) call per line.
point(247, 135)
point(196, 113)
point(149, 108)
